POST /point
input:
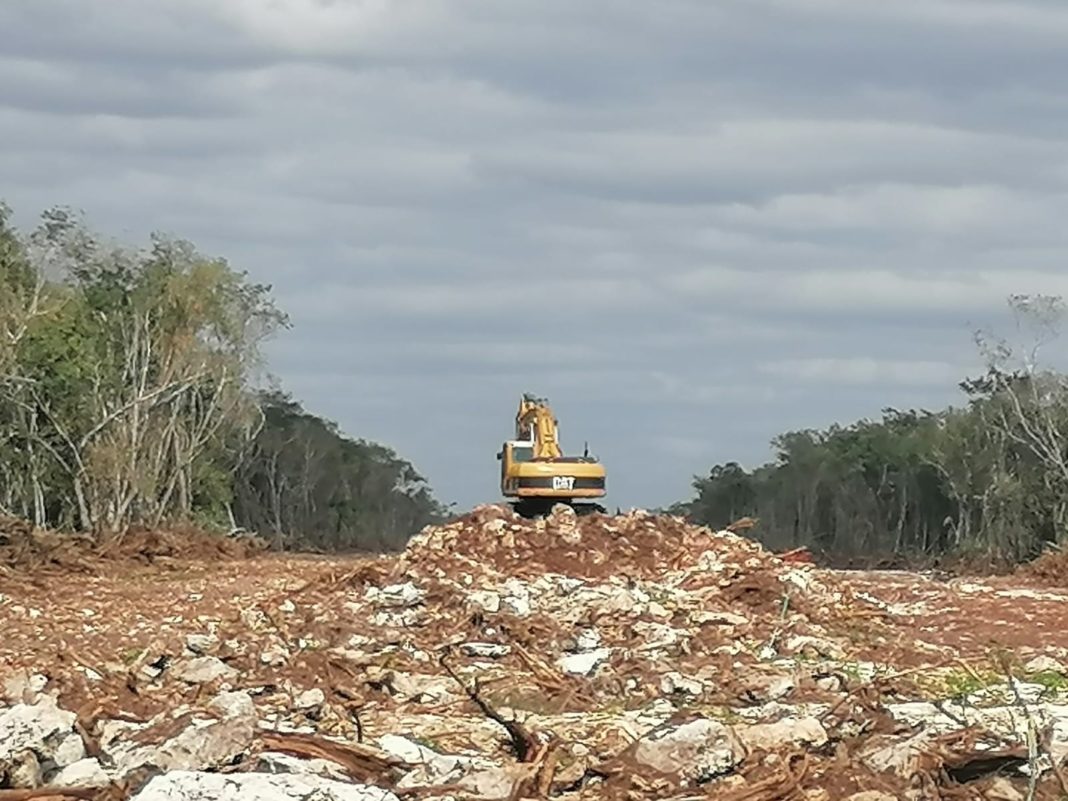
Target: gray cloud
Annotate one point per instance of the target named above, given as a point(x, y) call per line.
point(693, 226)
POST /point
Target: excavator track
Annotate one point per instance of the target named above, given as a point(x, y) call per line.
point(532, 508)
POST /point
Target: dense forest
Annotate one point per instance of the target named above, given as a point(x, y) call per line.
point(987, 479)
point(132, 392)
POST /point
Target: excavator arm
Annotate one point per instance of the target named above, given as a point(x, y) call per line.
point(535, 422)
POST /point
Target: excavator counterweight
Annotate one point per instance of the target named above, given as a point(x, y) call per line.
point(535, 473)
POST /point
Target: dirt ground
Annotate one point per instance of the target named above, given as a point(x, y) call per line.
point(671, 606)
point(54, 618)
point(967, 617)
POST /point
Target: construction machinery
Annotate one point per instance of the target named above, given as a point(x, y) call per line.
point(535, 473)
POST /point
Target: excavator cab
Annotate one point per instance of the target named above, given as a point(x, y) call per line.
point(535, 473)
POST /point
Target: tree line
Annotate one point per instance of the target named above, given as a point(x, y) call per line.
point(985, 479)
point(131, 392)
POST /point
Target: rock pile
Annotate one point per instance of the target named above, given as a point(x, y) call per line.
point(629, 656)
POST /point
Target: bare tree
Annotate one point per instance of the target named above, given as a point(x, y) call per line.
point(1030, 396)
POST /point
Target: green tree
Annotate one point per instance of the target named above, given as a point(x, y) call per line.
point(143, 367)
point(309, 486)
point(128, 394)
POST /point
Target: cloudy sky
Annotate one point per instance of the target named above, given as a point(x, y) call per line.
point(693, 224)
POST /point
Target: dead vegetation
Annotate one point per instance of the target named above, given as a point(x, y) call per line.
point(25, 548)
point(1050, 568)
point(619, 657)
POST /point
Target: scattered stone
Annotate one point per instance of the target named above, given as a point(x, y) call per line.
point(272, 762)
point(582, 664)
point(672, 607)
point(202, 670)
point(397, 619)
point(70, 750)
point(831, 684)
point(787, 732)
point(396, 596)
point(657, 609)
point(781, 687)
point(657, 636)
point(204, 742)
point(1045, 664)
point(420, 688)
point(274, 656)
point(485, 600)
point(92, 675)
point(207, 744)
point(490, 784)
point(517, 598)
point(202, 644)
point(587, 640)
point(39, 727)
point(696, 751)
point(311, 699)
point(24, 770)
point(720, 619)
point(235, 704)
point(22, 687)
point(1002, 789)
point(427, 766)
point(565, 585)
point(675, 683)
point(485, 650)
point(183, 785)
point(891, 754)
point(767, 653)
point(83, 773)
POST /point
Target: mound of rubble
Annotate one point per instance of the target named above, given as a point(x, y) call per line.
point(628, 657)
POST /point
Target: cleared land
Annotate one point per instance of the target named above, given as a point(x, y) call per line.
point(600, 657)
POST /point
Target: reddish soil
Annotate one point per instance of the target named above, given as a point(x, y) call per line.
point(77, 611)
point(966, 618)
point(54, 621)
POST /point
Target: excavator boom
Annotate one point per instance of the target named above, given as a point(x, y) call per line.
point(534, 422)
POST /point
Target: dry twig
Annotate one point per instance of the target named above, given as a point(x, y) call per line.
point(363, 763)
point(523, 743)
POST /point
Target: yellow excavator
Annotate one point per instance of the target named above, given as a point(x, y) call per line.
point(536, 475)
